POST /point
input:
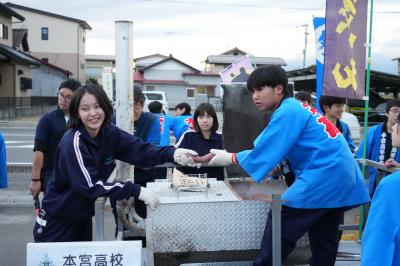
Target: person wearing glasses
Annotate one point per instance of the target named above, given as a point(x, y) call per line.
point(379, 144)
point(380, 243)
point(49, 131)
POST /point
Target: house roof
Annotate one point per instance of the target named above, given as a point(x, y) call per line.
point(234, 51)
point(16, 55)
point(20, 36)
point(229, 59)
point(159, 81)
point(82, 23)
point(94, 57)
point(59, 69)
point(201, 74)
point(6, 10)
point(167, 59)
point(148, 56)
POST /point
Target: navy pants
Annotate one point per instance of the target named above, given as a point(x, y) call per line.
point(53, 229)
point(322, 227)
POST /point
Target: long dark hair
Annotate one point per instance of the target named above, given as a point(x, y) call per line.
point(101, 97)
point(209, 109)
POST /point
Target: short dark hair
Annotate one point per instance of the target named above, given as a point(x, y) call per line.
point(329, 101)
point(184, 105)
point(270, 76)
point(303, 96)
point(155, 107)
point(138, 95)
point(71, 84)
point(392, 103)
point(101, 97)
point(209, 109)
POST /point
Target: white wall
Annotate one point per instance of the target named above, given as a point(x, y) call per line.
point(169, 70)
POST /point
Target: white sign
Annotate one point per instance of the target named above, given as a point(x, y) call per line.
point(96, 253)
point(107, 82)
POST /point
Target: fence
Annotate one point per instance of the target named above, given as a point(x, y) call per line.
point(18, 107)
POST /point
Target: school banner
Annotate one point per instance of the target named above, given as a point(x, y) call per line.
point(319, 30)
point(344, 60)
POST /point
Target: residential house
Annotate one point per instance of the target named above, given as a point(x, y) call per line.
point(216, 63)
point(46, 77)
point(180, 81)
point(15, 66)
point(56, 39)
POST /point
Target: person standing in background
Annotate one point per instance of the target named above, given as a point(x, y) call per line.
point(183, 120)
point(49, 131)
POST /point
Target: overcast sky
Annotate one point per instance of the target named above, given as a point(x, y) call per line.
point(191, 30)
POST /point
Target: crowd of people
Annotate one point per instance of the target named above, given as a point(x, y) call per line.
point(77, 144)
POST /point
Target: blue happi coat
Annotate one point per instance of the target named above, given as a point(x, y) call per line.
point(327, 175)
point(373, 148)
point(381, 238)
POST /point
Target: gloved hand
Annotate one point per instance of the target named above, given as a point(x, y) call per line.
point(149, 198)
point(221, 158)
point(181, 157)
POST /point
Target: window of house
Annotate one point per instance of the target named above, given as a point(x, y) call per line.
point(26, 83)
point(3, 32)
point(82, 66)
point(190, 92)
point(83, 39)
point(201, 90)
point(45, 33)
point(149, 88)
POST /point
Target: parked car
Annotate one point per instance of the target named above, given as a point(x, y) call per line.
point(152, 96)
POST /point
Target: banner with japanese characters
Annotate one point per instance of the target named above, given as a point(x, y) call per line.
point(99, 253)
point(345, 51)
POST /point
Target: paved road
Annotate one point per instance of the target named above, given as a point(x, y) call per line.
point(19, 142)
point(16, 224)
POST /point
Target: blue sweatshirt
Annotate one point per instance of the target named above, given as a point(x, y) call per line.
point(327, 175)
point(83, 165)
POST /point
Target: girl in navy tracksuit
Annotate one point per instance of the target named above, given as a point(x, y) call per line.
point(203, 139)
point(84, 160)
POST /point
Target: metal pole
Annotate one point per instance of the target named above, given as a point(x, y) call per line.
point(124, 90)
point(366, 106)
point(276, 230)
point(305, 45)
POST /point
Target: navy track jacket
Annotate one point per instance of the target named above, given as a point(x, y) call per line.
point(83, 165)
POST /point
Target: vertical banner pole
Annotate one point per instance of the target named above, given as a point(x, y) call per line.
point(367, 88)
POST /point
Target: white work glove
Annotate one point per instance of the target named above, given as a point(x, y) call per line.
point(149, 198)
point(221, 158)
point(181, 157)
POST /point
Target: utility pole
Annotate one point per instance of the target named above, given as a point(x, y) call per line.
point(305, 44)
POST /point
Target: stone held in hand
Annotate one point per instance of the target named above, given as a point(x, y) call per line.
point(202, 159)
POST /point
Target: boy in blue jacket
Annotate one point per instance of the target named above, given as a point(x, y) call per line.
point(83, 162)
point(379, 144)
point(328, 179)
point(183, 121)
point(380, 244)
point(333, 108)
